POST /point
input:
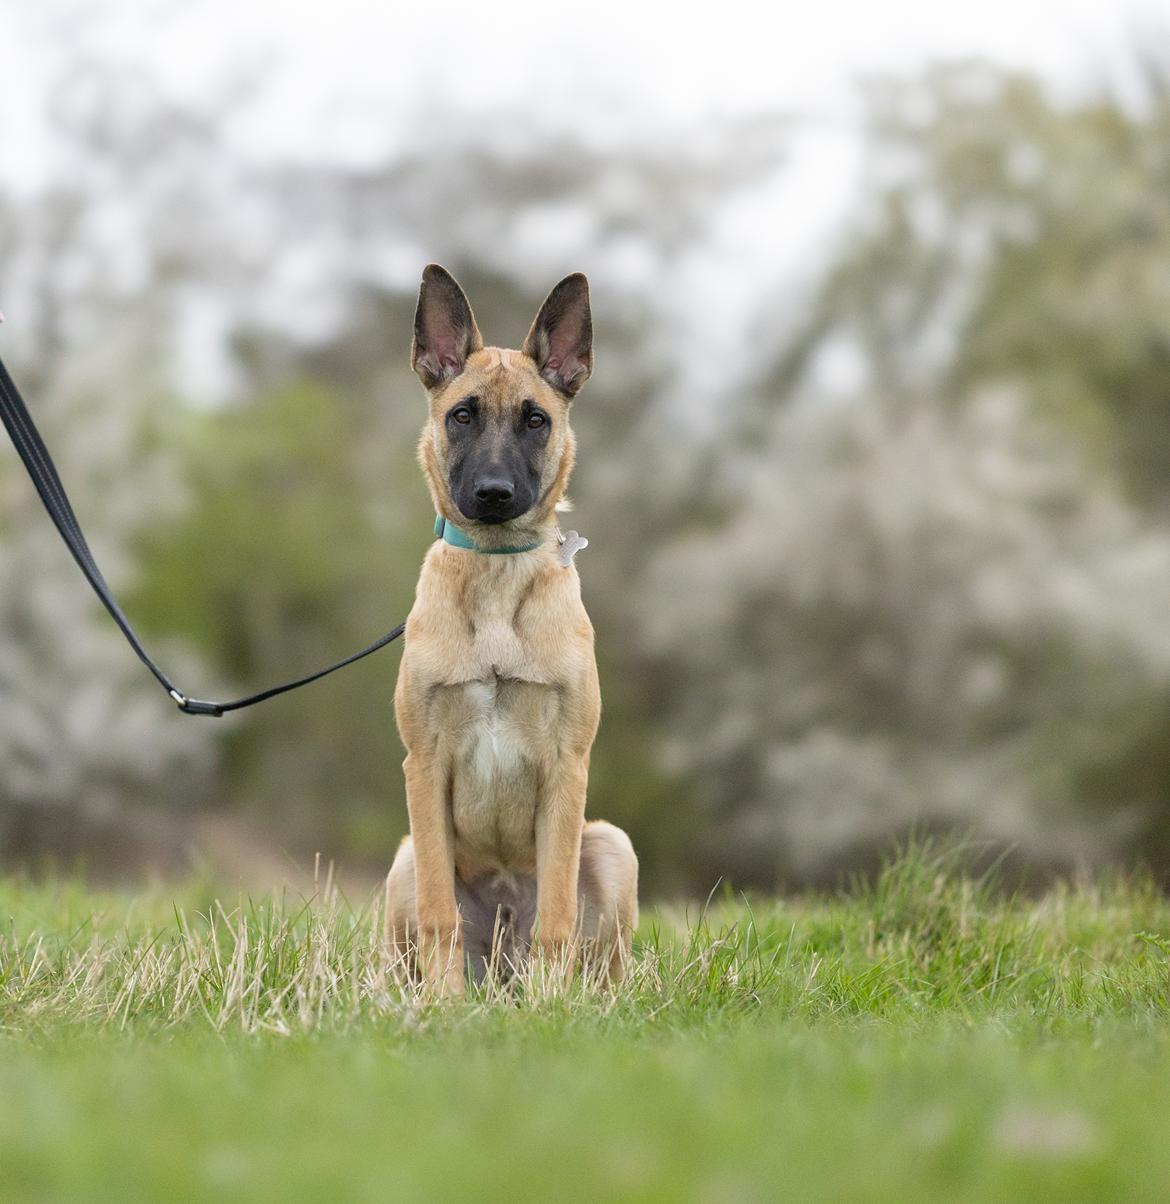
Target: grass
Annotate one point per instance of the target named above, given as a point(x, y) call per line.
point(923, 1038)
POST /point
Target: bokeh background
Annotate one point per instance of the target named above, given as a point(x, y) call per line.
point(875, 463)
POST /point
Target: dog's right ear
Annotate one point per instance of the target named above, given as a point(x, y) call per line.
point(445, 333)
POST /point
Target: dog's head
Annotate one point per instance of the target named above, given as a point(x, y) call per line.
point(497, 450)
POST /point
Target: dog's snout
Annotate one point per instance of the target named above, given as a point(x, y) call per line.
point(494, 491)
point(493, 483)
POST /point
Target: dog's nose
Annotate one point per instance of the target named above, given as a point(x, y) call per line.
point(493, 491)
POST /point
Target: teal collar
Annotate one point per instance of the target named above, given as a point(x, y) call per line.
point(448, 531)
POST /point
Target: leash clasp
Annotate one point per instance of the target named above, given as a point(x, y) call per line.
point(193, 706)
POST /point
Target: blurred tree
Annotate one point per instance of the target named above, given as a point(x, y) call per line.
point(932, 596)
point(309, 515)
point(293, 553)
point(936, 599)
point(87, 739)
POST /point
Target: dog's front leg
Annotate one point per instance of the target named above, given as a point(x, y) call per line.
point(560, 819)
point(440, 942)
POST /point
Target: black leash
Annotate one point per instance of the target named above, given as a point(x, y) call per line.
point(43, 471)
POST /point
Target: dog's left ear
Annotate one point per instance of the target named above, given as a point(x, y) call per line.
point(561, 338)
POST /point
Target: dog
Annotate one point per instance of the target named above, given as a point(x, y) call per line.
point(497, 700)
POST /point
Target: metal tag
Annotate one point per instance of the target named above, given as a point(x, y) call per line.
point(571, 543)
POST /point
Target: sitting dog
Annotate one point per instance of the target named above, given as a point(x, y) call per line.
point(497, 699)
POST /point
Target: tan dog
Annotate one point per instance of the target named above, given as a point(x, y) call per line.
point(497, 699)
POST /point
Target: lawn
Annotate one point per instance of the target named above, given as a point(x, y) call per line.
point(925, 1038)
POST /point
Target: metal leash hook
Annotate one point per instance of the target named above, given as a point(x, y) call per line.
point(192, 706)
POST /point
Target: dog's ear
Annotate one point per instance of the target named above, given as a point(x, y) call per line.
point(561, 338)
point(445, 333)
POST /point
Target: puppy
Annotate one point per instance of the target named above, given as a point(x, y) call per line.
point(497, 699)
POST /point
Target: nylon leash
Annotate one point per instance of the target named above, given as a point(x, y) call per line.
point(35, 456)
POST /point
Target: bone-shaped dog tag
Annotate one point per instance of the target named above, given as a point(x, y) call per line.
point(571, 544)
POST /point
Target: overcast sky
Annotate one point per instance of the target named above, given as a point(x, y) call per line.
point(340, 78)
point(338, 71)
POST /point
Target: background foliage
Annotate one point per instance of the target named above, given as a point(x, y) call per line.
point(899, 560)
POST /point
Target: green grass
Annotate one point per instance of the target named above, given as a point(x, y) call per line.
point(923, 1039)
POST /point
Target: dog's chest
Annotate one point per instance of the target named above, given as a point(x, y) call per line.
point(500, 730)
point(493, 744)
point(499, 647)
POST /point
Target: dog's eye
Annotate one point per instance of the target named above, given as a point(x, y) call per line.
point(462, 415)
point(536, 421)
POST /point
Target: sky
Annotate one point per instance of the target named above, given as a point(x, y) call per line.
point(339, 74)
point(343, 81)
